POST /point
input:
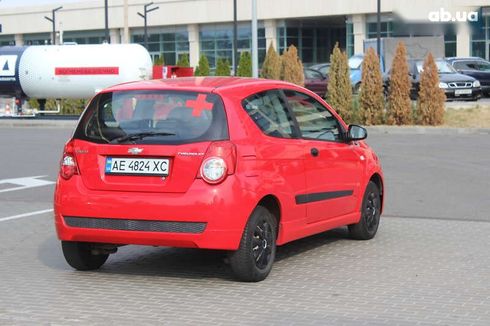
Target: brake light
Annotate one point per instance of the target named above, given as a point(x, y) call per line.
point(68, 166)
point(219, 162)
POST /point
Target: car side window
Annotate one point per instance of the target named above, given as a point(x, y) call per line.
point(483, 66)
point(270, 114)
point(463, 65)
point(314, 120)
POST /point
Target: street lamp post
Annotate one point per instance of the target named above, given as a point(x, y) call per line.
point(378, 28)
point(106, 14)
point(235, 39)
point(255, 55)
point(53, 21)
point(144, 16)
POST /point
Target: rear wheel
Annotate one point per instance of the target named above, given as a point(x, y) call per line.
point(79, 255)
point(253, 260)
point(367, 226)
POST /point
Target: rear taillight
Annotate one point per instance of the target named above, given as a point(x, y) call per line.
point(219, 162)
point(68, 166)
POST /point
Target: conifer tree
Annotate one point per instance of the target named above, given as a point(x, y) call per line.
point(203, 68)
point(292, 67)
point(371, 99)
point(183, 60)
point(430, 105)
point(223, 67)
point(245, 65)
point(399, 109)
point(271, 68)
point(159, 61)
point(339, 89)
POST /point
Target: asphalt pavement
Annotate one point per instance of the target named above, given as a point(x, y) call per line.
point(428, 264)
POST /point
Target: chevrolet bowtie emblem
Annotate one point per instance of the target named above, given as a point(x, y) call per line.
point(135, 150)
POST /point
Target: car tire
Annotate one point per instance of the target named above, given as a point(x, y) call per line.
point(368, 224)
point(253, 260)
point(79, 256)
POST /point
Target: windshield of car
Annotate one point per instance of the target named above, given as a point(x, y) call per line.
point(324, 70)
point(153, 117)
point(355, 62)
point(482, 66)
point(313, 74)
point(478, 65)
point(442, 67)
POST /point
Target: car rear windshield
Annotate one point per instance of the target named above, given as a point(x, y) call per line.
point(153, 117)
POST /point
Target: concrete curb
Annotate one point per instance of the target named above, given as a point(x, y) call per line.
point(394, 130)
point(425, 130)
point(36, 123)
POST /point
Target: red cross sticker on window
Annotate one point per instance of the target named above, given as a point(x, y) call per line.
point(198, 105)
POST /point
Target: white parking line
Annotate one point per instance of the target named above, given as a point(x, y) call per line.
point(25, 183)
point(8, 218)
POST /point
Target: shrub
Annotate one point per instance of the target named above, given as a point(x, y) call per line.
point(339, 90)
point(399, 110)
point(68, 106)
point(245, 65)
point(292, 68)
point(183, 60)
point(203, 68)
point(159, 61)
point(223, 67)
point(271, 68)
point(371, 97)
point(430, 105)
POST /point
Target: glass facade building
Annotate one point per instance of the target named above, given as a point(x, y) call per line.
point(480, 37)
point(7, 40)
point(216, 41)
point(390, 28)
point(169, 42)
point(314, 38)
point(85, 37)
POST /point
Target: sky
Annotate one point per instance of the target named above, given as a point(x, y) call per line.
point(18, 3)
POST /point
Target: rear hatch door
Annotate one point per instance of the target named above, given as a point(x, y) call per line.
point(147, 141)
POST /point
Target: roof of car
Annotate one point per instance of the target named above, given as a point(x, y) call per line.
point(320, 64)
point(200, 84)
point(464, 58)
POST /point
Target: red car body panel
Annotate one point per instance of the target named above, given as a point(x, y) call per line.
point(266, 167)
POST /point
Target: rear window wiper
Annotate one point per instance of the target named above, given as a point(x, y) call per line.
point(140, 135)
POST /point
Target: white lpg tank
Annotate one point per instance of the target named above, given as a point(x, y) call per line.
point(80, 71)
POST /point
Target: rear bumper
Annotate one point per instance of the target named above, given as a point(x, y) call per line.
point(211, 217)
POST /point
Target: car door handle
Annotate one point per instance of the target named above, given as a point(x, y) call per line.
point(314, 152)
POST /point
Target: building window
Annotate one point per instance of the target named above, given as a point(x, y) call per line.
point(170, 44)
point(216, 42)
point(37, 39)
point(386, 29)
point(450, 45)
point(89, 37)
point(350, 39)
point(7, 40)
point(480, 39)
point(314, 39)
point(281, 39)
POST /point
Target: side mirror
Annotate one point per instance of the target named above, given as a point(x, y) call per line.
point(356, 132)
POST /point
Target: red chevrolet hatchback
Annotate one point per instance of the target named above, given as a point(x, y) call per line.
point(236, 164)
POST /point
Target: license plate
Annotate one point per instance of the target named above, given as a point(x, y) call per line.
point(137, 166)
point(462, 92)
